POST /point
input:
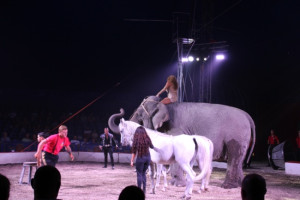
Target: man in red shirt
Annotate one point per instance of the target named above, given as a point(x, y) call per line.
point(52, 145)
point(272, 138)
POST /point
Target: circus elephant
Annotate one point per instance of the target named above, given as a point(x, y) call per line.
point(229, 128)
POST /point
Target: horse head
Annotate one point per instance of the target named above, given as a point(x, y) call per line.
point(127, 130)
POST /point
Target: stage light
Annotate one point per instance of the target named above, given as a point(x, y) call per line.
point(184, 60)
point(197, 59)
point(205, 59)
point(191, 58)
point(220, 57)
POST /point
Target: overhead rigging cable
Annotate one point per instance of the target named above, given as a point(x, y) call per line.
point(79, 111)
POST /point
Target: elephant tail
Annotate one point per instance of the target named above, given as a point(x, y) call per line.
point(207, 156)
point(253, 137)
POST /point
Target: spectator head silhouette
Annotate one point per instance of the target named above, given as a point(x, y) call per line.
point(46, 183)
point(253, 187)
point(4, 187)
point(132, 192)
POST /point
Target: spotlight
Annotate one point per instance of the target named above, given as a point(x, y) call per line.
point(220, 57)
point(184, 60)
point(191, 58)
point(197, 59)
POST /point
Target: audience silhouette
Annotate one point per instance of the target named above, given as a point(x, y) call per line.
point(132, 192)
point(253, 187)
point(4, 187)
point(46, 183)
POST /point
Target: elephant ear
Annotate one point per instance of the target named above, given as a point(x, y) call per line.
point(160, 116)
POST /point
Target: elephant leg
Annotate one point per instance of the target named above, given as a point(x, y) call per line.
point(234, 173)
point(177, 174)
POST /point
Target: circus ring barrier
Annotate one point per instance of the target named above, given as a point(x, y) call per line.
point(281, 157)
point(119, 157)
point(291, 167)
point(282, 154)
point(13, 153)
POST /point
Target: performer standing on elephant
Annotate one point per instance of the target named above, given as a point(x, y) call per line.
point(53, 145)
point(271, 142)
point(171, 88)
point(140, 150)
point(106, 143)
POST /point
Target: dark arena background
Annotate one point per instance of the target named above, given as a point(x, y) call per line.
point(78, 63)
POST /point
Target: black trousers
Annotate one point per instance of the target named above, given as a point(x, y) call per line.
point(108, 150)
point(49, 158)
point(270, 159)
point(298, 154)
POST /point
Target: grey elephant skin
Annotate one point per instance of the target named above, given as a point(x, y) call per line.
point(227, 127)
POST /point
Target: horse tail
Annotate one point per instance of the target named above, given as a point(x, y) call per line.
point(196, 152)
point(207, 159)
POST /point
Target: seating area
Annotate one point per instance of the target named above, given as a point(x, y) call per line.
point(19, 146)
point(19, 129)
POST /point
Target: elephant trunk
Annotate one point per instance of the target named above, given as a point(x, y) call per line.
point(111, 121)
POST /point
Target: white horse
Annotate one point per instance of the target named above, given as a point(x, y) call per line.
point(183, 149)
point(160, 169)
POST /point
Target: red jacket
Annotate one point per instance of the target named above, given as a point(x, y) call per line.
point(271, 139)
point(298, 142)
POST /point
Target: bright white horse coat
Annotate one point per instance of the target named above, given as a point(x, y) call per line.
point(180, 149)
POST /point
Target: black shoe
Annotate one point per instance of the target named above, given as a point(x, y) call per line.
point(112, 167)
point(104, 167)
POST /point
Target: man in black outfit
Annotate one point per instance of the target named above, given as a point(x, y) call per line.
point(106, 143)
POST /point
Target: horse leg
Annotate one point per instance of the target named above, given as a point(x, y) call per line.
point(161, 169)
point(158, 172)
point(168, 169)
point(190, 180)
point(164, 172)
point(207, 179)
point(203, 181)
point(151, 166)
point(155, 170)
point(178, 178)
